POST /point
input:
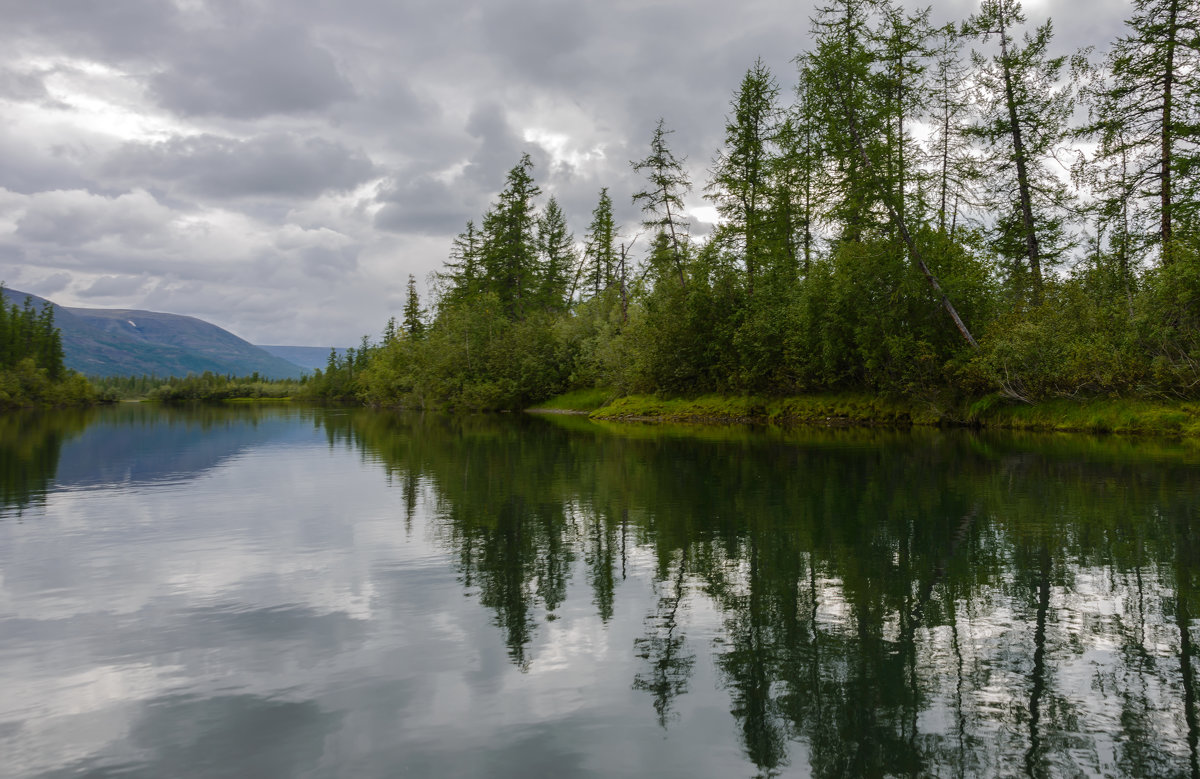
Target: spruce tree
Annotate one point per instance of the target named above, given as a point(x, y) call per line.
point(508, 251)
point(600, 258)
point(740, 185)
point(414, 325)
point(556, 250)
point(464, 268)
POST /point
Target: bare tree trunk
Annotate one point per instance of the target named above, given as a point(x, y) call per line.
point(1023, 188)
point(1167, 134)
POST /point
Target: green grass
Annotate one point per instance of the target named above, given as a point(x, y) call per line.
point(583, 400)
point(841, 409)
point(1102, 415)
point(1130, 417)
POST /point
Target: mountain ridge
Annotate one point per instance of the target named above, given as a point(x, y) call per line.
point(133, 342)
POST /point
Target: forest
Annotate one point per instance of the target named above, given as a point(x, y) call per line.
point(31, 360)
point(934, 212)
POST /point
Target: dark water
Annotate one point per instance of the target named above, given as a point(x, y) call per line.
point(266, 592)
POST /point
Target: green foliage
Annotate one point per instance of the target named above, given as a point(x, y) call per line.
point(31, 360)
point(667, 183)
point(1091, 339)
point(414, 324)
point(846, 237)
point(341, 381)
point(473, 357)
point(210, 386)
point(599, 267)
point(580, 400)
point(26, 385)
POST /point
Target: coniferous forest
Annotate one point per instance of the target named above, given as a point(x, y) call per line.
point(932, 212)
point(31, 360)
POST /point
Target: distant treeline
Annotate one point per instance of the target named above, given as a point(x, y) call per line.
point(204, 387)
point(31, 360)
point(935, 212)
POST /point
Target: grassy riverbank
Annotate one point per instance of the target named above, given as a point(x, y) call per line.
point(1140, 417)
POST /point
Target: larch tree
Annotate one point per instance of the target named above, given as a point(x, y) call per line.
point(1025, 106)
point(856, 113)
point(662, 200)
point(951, 164)
point(901, 43)
point(1147, 121)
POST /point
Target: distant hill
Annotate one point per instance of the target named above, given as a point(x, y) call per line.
point(127, 342)
point(308, 357)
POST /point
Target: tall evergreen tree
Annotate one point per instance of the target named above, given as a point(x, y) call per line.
point(556, 250)
point(464, 268)
point(508, 252)
point(901, 43)
point(414, 325)
point(952, 166)
point(740, 185)
point(1025, 108)
point(600, 257)
point(1148, 123)
point(662, 200)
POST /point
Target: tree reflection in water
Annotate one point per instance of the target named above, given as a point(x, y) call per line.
point(889, 602)
point(894, 602)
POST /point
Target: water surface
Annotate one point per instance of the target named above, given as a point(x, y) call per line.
point(296, 592)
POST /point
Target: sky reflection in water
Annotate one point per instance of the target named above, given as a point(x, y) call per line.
point(298, 592)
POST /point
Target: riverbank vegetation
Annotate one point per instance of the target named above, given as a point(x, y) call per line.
point(207, 386)
point(930, 214)
point(1127, 416)
point(31, 361)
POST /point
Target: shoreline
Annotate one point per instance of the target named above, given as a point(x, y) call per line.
point(1164, 418)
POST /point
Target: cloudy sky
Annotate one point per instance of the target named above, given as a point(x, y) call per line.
point(279, 167)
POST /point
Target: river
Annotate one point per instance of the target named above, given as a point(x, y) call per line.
point(266, 591)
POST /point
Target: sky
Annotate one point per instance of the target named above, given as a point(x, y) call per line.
point(279, 167)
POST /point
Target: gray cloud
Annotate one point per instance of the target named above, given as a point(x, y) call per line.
point(54, 282)
point(423, 204)
point(500, 147)
point(113, 30)
point(539, 40)
point(72, 218)
point(112, 286)
point(279, 164)
point(251, 74)
point(27, 167)
point(23, 85)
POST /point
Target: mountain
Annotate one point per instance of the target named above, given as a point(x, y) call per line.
point(127, 342)
point(308, 357)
